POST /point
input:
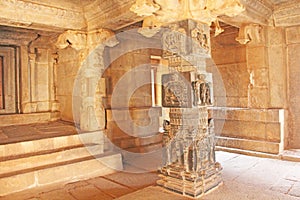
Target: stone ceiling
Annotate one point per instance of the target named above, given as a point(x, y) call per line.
point(61, 15)
point(279, 1)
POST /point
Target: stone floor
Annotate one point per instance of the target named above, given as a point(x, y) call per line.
point(35, 131)
point(245, 177)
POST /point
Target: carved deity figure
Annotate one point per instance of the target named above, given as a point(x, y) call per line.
point(201, 91)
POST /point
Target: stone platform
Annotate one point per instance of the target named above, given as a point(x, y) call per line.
point(40, 154)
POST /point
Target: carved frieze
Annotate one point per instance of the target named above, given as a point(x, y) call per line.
point(256, 11)
point(287, 14)
point(47, 15)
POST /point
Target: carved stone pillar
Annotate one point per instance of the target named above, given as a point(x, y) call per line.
point(91, 45)
point(190, 167)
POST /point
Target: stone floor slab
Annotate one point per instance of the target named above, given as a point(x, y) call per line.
point(283, 186)
point(295, 190)
point(88, 192)
point(111, 188)
point(134, 181)
point(56, 195)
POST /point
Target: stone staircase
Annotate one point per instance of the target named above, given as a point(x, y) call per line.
point(46, 157)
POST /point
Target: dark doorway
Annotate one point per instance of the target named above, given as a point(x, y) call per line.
point(8, 82)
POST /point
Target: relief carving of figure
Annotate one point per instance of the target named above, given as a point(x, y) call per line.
point(199, 35)
point(201, 91)
point(175, 91)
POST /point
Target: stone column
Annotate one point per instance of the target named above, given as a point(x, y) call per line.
point(190, 167)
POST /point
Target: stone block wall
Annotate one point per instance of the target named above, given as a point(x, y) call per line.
point(230, 58)
point(254, 77)
point(293, 52)
point(129, 98)
point(126, 73)
point(68, 66)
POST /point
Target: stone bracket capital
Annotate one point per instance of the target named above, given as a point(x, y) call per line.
point(80, 40)
point(250, 33)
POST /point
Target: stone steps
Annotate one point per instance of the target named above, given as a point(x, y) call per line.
point(27, 164)
point(47, 144)
point(38, 161)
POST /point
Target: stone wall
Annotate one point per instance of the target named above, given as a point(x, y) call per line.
point(254, 77)
point(129, 97)
point(293, 52)
point(68, 66)
point(230, 57)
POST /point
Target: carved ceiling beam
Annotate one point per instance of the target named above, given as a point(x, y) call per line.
point(256, 11)
point(13, 36)
point(19, 13)
point(110, 14)
point(287, 14)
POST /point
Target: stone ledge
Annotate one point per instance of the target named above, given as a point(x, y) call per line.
point(246, 152)
point(250, 145)
point(245, 114)
point(18, 119)
point(252, 130)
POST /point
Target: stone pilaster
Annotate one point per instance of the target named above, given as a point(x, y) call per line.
point(30, 106)
point(91, 46)
point(254, 36)
point(54, 104)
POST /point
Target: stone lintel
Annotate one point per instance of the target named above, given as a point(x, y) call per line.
point(24, 14)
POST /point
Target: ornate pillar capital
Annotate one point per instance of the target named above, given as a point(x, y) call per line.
point(101, 37)
point(162, 12)
point(75, 39)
